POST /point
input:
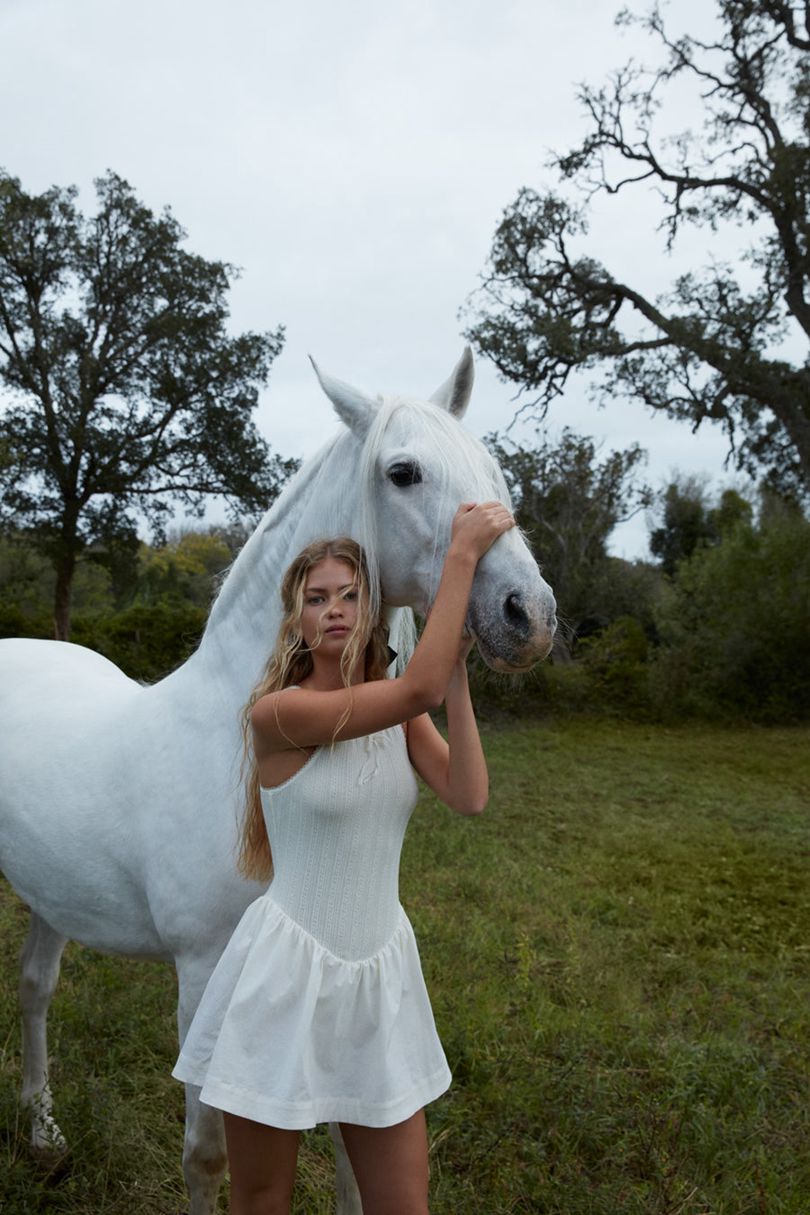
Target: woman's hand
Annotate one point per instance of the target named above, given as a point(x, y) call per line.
point(476, 527)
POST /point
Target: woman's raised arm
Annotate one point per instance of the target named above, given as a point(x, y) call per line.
point(455, 770)
point(309, 718)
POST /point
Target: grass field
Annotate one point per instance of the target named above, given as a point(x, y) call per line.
point(618, 958)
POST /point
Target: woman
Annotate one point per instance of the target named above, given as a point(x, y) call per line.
point(317, 1010)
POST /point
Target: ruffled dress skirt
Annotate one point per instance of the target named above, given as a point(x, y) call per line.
point(290, 1035)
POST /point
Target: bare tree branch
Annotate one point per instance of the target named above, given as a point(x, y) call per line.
point(707, 348)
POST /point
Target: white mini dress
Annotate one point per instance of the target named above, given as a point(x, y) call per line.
point(317, 1010)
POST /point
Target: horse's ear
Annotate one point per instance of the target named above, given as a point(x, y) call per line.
point(454, 394)
point(353, 407)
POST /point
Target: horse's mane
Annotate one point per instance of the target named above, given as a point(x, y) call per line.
point(279, 517)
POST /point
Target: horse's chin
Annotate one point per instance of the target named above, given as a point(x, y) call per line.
point(514, 662)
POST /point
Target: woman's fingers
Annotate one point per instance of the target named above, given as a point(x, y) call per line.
point(479, 525)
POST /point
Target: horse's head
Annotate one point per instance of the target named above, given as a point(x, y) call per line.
point(417, 465)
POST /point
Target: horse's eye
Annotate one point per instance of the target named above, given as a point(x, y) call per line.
point(405, 473)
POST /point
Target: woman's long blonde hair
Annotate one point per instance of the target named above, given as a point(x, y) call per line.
point(291, 662)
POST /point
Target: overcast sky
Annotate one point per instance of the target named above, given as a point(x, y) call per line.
point(353, 159)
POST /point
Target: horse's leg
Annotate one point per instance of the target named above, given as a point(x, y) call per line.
point(41, 955)
point(204, 1155)
point(348, 1195)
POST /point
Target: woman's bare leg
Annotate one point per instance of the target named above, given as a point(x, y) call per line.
point(262, 1162)
point(391, 1165)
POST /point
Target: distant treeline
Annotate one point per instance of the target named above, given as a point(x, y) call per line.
point(722, 634)
point(716, 626)
point(143, 606)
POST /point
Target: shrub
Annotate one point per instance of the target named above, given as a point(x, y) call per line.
point(145, 641)
point(733, 625)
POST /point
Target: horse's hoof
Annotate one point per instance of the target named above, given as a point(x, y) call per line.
point(48, 1144)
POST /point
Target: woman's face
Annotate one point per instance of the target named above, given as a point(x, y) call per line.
point(330, 606)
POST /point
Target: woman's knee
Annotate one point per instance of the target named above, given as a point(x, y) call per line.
point(259, 1201)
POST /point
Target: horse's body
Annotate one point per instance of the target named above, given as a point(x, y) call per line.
point(119, 803)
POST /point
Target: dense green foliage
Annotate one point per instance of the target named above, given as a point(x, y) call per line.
point(689, 522)
point(722, 635)
point(568, 498)
point(710, 344)
point(149, 623)
point(617, 958)
point(734, 623)
point(123, 391)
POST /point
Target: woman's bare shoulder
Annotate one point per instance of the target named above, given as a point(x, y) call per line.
point(264, 717)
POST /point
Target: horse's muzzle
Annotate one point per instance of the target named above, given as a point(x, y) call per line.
point(520, 636)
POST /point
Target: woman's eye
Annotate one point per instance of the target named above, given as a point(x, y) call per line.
point(405, 473)
point(350, 595)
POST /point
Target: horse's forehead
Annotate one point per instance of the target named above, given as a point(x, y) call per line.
point(414, 430)
point(408, 423)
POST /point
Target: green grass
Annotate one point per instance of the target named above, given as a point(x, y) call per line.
point(617, 954)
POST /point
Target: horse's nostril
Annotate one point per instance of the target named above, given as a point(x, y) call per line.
point(515, 613)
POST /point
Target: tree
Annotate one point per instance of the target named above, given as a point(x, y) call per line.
point(188, 568)
point(124, 391)
point(149, 623)
point(689, 522)
point(733, 621)
point(708, 348)
point(568, 502)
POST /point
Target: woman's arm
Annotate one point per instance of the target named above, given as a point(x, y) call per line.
point(456, 770)
point(309, 718)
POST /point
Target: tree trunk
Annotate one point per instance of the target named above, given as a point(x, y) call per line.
point(64, 589)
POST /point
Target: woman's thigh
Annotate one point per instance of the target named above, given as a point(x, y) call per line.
point(262, 1162)
point(391, 1165)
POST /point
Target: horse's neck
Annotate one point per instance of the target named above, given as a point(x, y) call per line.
point(244, 620)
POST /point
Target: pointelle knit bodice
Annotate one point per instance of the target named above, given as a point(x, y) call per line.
point(336, 829)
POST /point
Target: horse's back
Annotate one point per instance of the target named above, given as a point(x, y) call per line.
point(28, 664)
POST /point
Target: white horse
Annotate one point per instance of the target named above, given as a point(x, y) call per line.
point(119, 802)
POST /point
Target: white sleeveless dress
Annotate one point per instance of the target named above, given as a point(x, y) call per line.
point(317, 1010)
